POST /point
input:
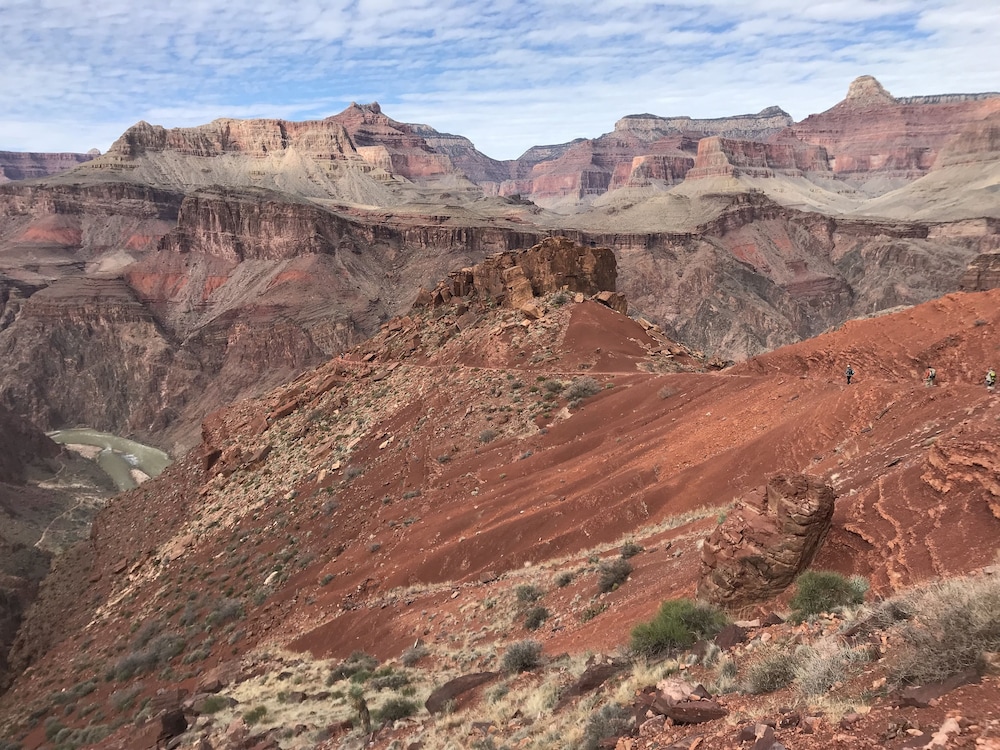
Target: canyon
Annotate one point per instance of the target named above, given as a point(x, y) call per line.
point(368, 345)
point(187, 268)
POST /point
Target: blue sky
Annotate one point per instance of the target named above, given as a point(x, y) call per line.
point(507, 74)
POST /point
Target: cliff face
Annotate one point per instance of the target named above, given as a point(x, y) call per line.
point(23, 165)
point(724, 157)
point(872, 133)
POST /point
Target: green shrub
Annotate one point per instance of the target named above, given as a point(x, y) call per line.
point(678, 624)
point(534, 617)
point(395, 709)
point(823, 590)
point(611, 720)
point(612, 574)
point(522, 656)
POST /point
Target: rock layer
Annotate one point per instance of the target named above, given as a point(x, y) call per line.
point(756, 552)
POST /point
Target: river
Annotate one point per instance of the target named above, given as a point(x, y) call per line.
point(116, 456)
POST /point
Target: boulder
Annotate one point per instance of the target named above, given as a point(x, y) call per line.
point(454, 688)
point(759, 550)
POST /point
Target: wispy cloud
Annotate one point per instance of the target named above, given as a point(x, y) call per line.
point(509, 74)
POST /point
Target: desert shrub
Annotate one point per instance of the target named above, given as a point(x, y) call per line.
point(522, 656)
point(488, 436)
point(528, 593)
point(213, 704)
point(666, 392)
point(563, 579)
point(819, 668)
point(630, 549)
point(553, 386)
point(559, 299)
point(612, 574)
point(123, 699)
point(534, 617)
point(159, 651)
point(357, 662)
point(592, 611)
point(612, 720)
point(352, 472)
point(413, 654)
point(444, 458)
point(772, 670)
point(395, 709)
point(146, 633)
point(678, 624)
point(953, 624)
point(224, 611)
point(388, 679)
point(823, 590)
point(254, 715)
point(582, 388)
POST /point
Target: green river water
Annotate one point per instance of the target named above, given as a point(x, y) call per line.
point(118, 455)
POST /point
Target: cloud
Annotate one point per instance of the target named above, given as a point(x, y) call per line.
point(508, 75)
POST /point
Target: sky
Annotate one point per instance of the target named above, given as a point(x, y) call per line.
point(507, 74)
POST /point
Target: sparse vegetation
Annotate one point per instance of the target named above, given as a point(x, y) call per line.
point(563, 579)
point(582, 387)
point(953, 624)
point(630, 549)
point(823, 591)
point(678, 624)
point(534, 617)
point(613, 573)
point(159, 651)
point(522, 656)
point(528, 593)
point(488, 436)
point(773, 670)
point(254, 715)
point(413, 654)
point(611, 720)
point(395, 709)
point(357, 662)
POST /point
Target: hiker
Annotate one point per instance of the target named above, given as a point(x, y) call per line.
point(849, 372)
point(991, 378)
point(929, 376)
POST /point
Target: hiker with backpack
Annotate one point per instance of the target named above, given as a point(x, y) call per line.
point(849, 372)
point(991, 379)
point(929, 376)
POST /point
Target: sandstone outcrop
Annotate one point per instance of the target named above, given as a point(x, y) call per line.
point(24, 165)
point(757, 551)
point(515, 279)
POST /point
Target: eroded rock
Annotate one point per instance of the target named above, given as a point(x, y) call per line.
point(759, 550)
